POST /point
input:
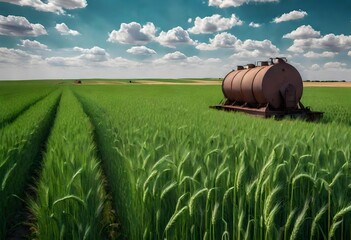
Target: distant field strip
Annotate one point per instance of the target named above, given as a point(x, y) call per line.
point(71, 202)
point(21, 143)
point(153, 82)
point(327, 84)
point(189, 82)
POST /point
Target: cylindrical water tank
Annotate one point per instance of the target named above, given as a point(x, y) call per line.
point(279, 85)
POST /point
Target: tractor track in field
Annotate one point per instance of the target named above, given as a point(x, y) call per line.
point(22, 220)
point(115, 226)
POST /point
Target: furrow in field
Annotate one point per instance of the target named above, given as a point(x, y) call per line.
point(21, 145)
point(71, 201)
point(116, 172)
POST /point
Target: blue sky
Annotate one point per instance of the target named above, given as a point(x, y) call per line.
point(171, 38)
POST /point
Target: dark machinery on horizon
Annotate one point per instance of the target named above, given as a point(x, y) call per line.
point(268, 89)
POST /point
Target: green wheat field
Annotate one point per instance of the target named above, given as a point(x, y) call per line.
point(132, 161)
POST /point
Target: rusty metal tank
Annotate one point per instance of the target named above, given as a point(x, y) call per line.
point(277, 84)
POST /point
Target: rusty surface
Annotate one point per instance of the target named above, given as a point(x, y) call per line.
point(280, 75)
point(227, 84)
point(247, 85)
point(236, 85)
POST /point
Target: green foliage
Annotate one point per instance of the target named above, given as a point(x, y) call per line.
point(20, 145)
point(17, 98)
point(333, 101)
point(179, 170)
point(71, 202)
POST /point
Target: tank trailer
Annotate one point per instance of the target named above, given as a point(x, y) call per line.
point(267, 89)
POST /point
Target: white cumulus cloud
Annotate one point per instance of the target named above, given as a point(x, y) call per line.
point(254, 25)
point(94, 54)
point(63, 29)
point(122, 63)
point(253, 48)
point(69, 4)
point(177, 59)
point(214, 23)
point(141, 50)
point(242, 49)
point(91, 58)
point(174, 56)
point(326, 54)
point(235, 3)
point(195, 60)
point(293, 15)
point(303, 32)
point(174, 36)
point(55, 6)
point(349, 53)
point(334, 65)
point(315, 67)
point(205, 47)
point(34, 45)
point(64, 61)
point(221, 40)
point(329, 42)
point(133, 33)
point(17, 56)
point(20, 26)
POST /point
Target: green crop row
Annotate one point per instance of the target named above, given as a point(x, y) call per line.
point(21, 143)
point(71, 202)
point(178, 170)
point(14, 102)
